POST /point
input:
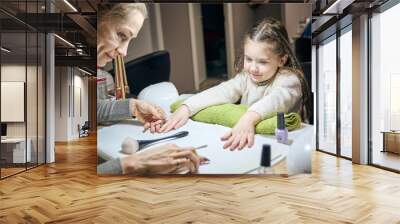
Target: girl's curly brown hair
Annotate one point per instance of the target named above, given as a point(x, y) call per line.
point(273, 32)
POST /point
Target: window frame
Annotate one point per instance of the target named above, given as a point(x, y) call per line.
point(342, 26)
point(378, 10)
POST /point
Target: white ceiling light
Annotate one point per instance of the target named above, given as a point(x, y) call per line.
point(86, 72)
point(338, 6)
point(64, 40)
point(80, 51)
point(5, 50)
point(70, 5)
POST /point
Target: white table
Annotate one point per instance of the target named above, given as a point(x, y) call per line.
point(297, 155)
point(18, 149)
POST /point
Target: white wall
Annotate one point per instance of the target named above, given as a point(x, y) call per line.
point(61, 103)
point(243, 18)
point(79, 117)
point(176, 35)
point(294, 14)
point(69, 85)
point(197, 41)
point(142, 44)
point(169, 25)
point(269, 10)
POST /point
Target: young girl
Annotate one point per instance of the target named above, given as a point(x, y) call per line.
point(269, 80)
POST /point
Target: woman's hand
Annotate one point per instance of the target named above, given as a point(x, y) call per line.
point(151, 115)
point(242, 133)
point(165, 159)
point(177, 119)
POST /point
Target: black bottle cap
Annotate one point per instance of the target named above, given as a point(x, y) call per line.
point(281, 120)
point(266, 155)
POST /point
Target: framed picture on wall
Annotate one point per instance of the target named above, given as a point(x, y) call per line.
point(12, 101)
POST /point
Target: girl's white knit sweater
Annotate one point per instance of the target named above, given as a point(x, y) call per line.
point(282, 94)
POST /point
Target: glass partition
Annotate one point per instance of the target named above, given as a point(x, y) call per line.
point(32, 99)
point(41, 97)
point(385, 89)
point(23, 87)
point(346, 93)
point(14, 152)
point(327, 96)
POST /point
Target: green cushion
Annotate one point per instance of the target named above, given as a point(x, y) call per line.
point(229, 114)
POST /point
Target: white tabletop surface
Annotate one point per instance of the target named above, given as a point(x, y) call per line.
point(222, 161)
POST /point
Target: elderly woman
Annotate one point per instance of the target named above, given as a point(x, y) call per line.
point(118, 24)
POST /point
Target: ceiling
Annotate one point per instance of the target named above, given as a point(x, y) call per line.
point(79, 27)
point(76, 25)
point(329, 15)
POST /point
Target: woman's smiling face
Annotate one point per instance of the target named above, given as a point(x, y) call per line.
point(260, 62)
point(114, 36)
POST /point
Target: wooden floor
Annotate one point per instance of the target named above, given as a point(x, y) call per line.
point(69, 191)
point(10, 171)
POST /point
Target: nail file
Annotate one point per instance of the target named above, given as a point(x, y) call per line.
point(200, 147)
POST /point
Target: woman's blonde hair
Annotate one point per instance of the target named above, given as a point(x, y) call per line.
point(120, 10)
point(273, 32)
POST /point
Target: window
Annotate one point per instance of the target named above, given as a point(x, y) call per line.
point(346, 93)
point(385, 86)
point(327, 96)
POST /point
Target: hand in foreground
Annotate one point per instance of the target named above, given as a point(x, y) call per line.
point(176, 120)
point(242, 133)
point(151, 115)
point(166, 159)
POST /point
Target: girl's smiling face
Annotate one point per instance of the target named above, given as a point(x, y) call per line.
point(114, 36)
point(260, 62)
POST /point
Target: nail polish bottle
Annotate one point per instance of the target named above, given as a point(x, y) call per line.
point(281, 133)
point(265, 163)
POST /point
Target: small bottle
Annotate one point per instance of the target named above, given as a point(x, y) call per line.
point(281, 133)
point(265, 163)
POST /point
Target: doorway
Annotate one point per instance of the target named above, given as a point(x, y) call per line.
point(214, 44)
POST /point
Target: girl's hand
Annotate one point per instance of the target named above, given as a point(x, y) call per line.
point(154, 126)
point(177, 119)
point(242, 133)
point(166, 159)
